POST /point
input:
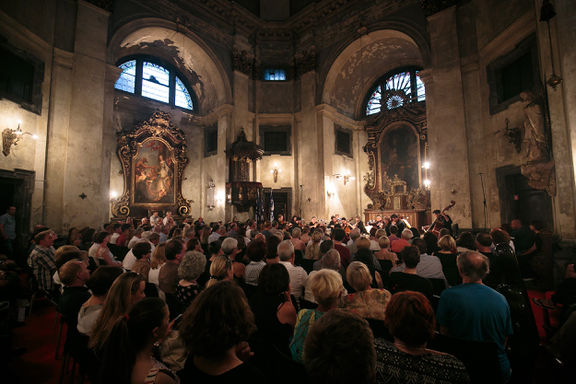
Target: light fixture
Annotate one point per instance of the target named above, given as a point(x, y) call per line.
point(426, 165)
point(11, 137)
point(274, 171)
point(427, 183)
point(220, 196)
point(346, 177)
point(113, 194)
point(547, 12)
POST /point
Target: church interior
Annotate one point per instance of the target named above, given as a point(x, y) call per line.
point(244, 111)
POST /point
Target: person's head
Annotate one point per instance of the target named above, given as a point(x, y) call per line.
point(431, 242)
point(483, 240)
point(66, 253)
point(411, 256)
point(436, 212)
point(174, 250)
point(317, 236)
point(331, 260)
point(296, 233)
point(354, 234)
point(339, 349)
point(229, 246)
point(444, 232)
point(45, 238)
point(394, 229)
point(272, 247)
point(286, 250)
point(218, 319)
point(537, 225)
point(410, 318)
point(363, 243)
point(473, 266)
point(193, 244)
point(447, 243)
point(256, 251)
point(358, 276)
point(325, 246)
point(141, 249)
point(220, 269)
point(516, 224)
point(500, 236)
point(126, 290)
point(101, 237)
point(384, 242)
point(191, 266)
point(379, 233)
point(154, 237)
point(102, 279)
point(466, 240)
point(339, 234)
point(421, 244)
point(326, 286)
point(407, 234)
point(144, 324)
point(73, 273)
point(117, 228)
point(274, 280)
point(373, 231)
point(11, 210)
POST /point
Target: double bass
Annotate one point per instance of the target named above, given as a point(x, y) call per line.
point(441, 221)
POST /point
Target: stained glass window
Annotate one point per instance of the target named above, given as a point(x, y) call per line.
point(274, 75)
point(154, 81)
point(395, 90)
point(183, 98)
point(127, 80)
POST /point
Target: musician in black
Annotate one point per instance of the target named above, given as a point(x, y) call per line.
point(442, 220)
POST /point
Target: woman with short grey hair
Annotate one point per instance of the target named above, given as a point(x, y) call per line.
point(191, 267)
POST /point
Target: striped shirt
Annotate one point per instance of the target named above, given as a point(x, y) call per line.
point(252, 272)
point(41, 260)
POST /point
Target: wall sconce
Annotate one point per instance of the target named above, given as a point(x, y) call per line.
point(345, 177)
point(210, 201)
point(220, 196)
point(274, 171)
point(427, 183)
point(329, 194)
point(11, 137)
point(113, 195)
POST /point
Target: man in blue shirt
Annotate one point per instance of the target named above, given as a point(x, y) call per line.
point(473, 311)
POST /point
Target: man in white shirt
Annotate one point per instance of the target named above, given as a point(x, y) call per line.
point(155, 219)
point(217, 232)
point(298, 275)
point(136, 238)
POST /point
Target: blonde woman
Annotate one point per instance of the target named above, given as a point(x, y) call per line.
point(365, 301)
point(157, 261)
point(313, 248)
point(327, 288)
point(220, 270)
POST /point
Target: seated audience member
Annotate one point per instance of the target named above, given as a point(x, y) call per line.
point(215, 329)
point(338, 236)
point(127, 290)
point(331, 260)
point(136, 237)
point(274, 313)
point(297, 274)
point(365, 256)
point(340, 349)
point(168, 276)
point(313, 248)
point(473, 311)
point(127, 352)
point(408, 279)
point(63, 255)
point(367, 302)
point(299, 245)
point(157, 261)
point(99, 283)
point(99, 252)
point(74, 237)
point(272, 250)
point(466, 242)
point(504, 267)
point(385, 253)
point(447, 254)
point(73, 275)
point(142, 253)
point(404, 241)
point(122, 240)
point(431, 243)
point(220, 270)
point(393, 234)
point(325, 246)
point(41, 260)
point(189, 270)
point(411, 323)
point(327, 289)
point(116, 230)
point(230, 249)
point(429, 266)
point(256, 252)
point(194, 244)
point(364, 243)
point(354, 235)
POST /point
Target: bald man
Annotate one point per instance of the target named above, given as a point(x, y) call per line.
point(473, 311)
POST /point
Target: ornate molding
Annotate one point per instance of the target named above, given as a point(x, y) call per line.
point(243, 61)
point(158, 127)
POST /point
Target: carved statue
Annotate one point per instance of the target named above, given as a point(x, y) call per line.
point(534, 129)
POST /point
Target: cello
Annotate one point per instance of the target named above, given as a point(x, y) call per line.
point(441, 221)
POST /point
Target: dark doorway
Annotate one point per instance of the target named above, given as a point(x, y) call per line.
point(282, 202)
point(520, 201)
point(16, 189)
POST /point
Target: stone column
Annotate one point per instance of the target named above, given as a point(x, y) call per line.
point(446, 120)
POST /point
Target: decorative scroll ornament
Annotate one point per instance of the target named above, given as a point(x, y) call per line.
point(156, 132)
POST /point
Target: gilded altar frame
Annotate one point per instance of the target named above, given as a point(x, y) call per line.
point(392, 192)
point(153, 158)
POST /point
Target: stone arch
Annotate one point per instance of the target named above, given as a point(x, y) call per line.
point(362, 62)
point(181, 48)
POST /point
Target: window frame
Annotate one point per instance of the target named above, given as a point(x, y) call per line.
point(173, 71)
point(338, 129)
point(208, 131)
point(382, 83)
point(287, 129)
point(276, 68)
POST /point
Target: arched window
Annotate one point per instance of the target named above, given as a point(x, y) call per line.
point(148, 78)
point(396, 89)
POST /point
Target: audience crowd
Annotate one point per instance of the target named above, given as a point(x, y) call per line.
point(164, 301)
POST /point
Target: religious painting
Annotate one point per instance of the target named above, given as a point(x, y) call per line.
point(399, 155)
point(154, 173)
point(153, 157)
